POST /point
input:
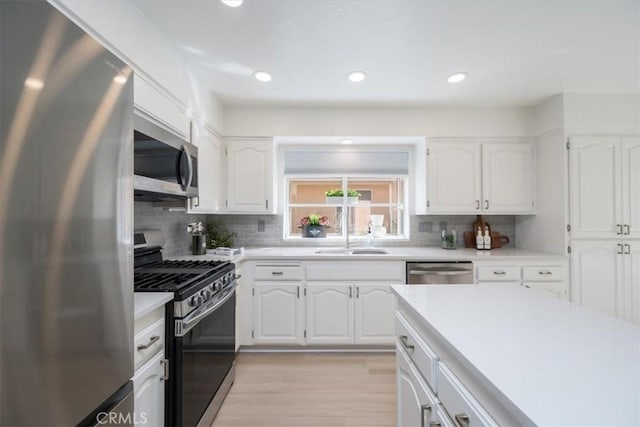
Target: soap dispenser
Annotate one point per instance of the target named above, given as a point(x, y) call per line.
point(369, 241)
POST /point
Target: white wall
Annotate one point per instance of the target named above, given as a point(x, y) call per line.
point(601, 114)
point(353, 121)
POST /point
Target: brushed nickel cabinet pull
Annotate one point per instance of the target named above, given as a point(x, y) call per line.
point(626, 229)
point(298, 291)
point(165, 369)
point(620, 252)
point(435, 424)
point(277, 273)
point(486, 204)
point(499, 272)
point(357, 291)
point(627, 249)
point(477, 204)
point(618, 229)
point(350, 292)
point(266, 204)
point(462, 419)
point(545, 273)
point(405, 342)
point(423, 409)
point(153, 339)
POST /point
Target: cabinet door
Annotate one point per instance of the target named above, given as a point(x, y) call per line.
point(631, 186)
point(631, 259)
point(507, 178)
point(329, 308)
point(453, 177)
point(210, 174)
point(416, 404)
point(250, 176)
point(594, 186)
point(148, 392)
point(375, 307)
point(596, 275)
point(155, 106)
point(277, 313)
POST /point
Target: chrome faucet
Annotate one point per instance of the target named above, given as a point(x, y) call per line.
point(345, 226)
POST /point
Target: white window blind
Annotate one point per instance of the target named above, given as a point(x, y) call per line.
point(346, 162)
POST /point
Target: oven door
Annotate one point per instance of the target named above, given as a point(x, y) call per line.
point(165, 166)
point(205, 353)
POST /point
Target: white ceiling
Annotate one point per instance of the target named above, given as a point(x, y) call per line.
point(517, 53)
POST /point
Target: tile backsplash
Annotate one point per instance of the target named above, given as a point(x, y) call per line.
point(267, 230)
point(425, 230)
point(172, 223)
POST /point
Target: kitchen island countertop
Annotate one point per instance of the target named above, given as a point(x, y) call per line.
point(555, 362)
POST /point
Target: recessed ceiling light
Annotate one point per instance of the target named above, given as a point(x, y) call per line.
point(357, 76)
point(457, 77)
point(262, 76)
point(347, 141)
point(232, 3)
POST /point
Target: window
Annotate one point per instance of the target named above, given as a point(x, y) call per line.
point(380, 204)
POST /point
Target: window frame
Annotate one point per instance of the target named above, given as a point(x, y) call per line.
point(345, 179)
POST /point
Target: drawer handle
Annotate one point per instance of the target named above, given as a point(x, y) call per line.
point(619, 229)
point(499, 273)
point(462, 419)
point(165, 369)
point(435, 424)
point(545, 273)
point(153, 339)
point(627, 249)
point(405, 342)
point(277, 273)
point(626, 229)
point(423, 409)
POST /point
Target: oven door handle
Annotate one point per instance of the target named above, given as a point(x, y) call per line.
point(185, 325)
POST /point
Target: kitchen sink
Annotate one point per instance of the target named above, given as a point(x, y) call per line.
point(352, 251)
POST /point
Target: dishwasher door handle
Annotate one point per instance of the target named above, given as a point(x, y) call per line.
point(439, 273)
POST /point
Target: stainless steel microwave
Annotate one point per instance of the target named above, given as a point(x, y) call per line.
point(165, 167)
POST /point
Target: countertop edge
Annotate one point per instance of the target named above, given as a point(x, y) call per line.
point(145, 302)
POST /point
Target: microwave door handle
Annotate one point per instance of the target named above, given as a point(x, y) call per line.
point(179, 169)
point(190, 164)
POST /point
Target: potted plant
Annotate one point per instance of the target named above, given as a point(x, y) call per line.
point(218, 236)
point(314, 225)
point(335, 197)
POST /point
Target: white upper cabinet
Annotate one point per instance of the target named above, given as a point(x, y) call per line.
point(631, 186)
point(473, 177)
point(454, 177)
point(507, 178)
point(250, 184)
point(211, 174)
point(155, 106)
point(595, 190)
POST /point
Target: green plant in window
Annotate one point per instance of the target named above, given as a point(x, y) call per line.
point(339, 193)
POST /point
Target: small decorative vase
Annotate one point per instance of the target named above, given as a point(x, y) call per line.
point(198, 245)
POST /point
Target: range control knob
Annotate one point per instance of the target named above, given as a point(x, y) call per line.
point(205, 294)
point(195, 300)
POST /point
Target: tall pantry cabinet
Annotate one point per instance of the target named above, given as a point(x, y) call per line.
point(604, 192)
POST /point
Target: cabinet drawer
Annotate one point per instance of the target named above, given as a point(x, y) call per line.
point(543, 274)
point(356, 270)
point(278, 272)
point(463, 408)
point(498, 273)
point(420, 353)
point(148, 342)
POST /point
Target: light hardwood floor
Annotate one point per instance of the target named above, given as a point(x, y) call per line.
point(311, 390)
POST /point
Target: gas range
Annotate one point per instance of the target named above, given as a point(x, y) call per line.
point(194, 283)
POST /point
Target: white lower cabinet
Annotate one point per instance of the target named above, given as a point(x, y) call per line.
point(551, 277)
point(329, 313)
point(375, 308)
point(148, 392)
point(277, 313)
point(606, 276)
point(417, 404)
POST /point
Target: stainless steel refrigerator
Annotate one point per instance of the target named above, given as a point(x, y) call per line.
point(66, 213)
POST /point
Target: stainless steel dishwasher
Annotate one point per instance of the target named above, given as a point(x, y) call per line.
point(439, 273)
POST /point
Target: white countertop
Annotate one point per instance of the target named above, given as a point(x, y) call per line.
point(557, 362)
point(145, 302)
point(402, 253)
